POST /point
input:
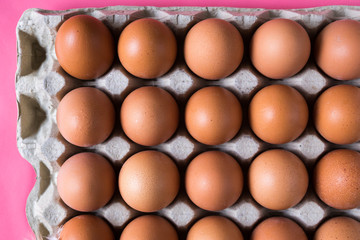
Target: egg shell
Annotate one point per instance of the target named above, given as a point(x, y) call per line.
point(278, 114)
point(214, 228)
point(85, 116)
point(337, 50)
point(278, 228)
point(86, 182)
point(209, 117)
point(149, 116)
point(213, 180)
point(213, 48)
point(86, 227)
point(149, 181)
point(147, 48)
point(338, 228)
point(337, 114)
point(84, 47)
point(149, 227)
point(336, 179)
point(278, 179)
point(280, 48)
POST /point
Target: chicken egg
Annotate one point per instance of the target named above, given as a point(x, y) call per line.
point(149, 116)
point(278, 179)
point(85, 117)
point(278, 228)
point(86, 227)
point(213, 49)
point(149, 181)
point(337, 114)
point(86, 182)
point(147, 48)
point(84, 47)
point(337, 50)
point(338, 228)
point(280, 48)
point(278, 114)
point(214, 228)
point(336, 179)
point(213, 115)
point(214, 180)
point(149, 227)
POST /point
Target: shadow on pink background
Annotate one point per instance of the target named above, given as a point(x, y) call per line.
point(17, 177)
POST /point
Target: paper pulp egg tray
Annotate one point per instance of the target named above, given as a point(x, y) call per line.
point(41, 83)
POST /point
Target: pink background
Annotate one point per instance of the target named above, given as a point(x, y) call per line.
point(17, 177)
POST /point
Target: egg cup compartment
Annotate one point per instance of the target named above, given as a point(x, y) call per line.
point(41, 83)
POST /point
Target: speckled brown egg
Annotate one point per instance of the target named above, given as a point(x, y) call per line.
point(86, 182)
point(147, 48)
point(278, 228)
point(338, 228)
point(336, 179)
point(214, 228)
point(149, 181)
point(84, 47)
point(149, 116)
point(149, 227)
point(337, 50)
point(278, 114)
point(280, 48)
point(337, 114)
point(214, 180)
point(86, 227)
point(278, 179)
point(213, 115)
point(85, 116)
point(213, 49)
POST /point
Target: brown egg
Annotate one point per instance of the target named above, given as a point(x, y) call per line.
point(337, 114)
point(149, 227)
point(84, 47)
point(86, 227)
point(278, 228)
point(280, 48)
point(336, 179)
point(86, 182)
point(149, 181)
point(213, 49)
point(337, 50)
point(278, 179)
point(214, 180)
point(214, 228)
point(147, 48)
point(278, 114)
point(149, 116)
point(209, 117)
point(85, 117)
point(338, 228)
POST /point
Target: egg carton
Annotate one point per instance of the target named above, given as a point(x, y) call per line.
point(41, 83)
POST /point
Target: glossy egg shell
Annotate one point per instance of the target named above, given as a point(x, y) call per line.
point(84, 47)
point(86, 182)
point(278, 114)
point(337, 114)
point(147, 48)
point(86, 227)
point(213, 48)
point(85, 116)
point(149, 227)
point(213, 115)
point(149, 181)
point(337, 50)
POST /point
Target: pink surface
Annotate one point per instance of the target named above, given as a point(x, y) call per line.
point(17, 177)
